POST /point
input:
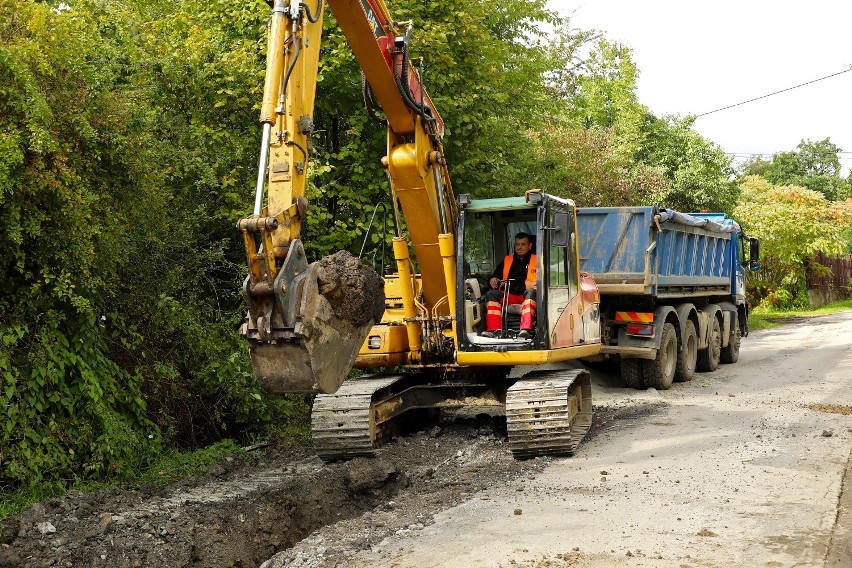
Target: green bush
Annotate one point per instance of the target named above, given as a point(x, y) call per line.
point(71, 412)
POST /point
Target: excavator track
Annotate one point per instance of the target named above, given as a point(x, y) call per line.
point(344, 424)
point(548, 413)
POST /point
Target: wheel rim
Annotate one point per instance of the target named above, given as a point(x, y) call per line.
point(671, 359)
point(717, 341)
point(691, 348)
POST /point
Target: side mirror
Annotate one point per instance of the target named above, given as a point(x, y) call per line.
point(753, 254)
point(560, 230)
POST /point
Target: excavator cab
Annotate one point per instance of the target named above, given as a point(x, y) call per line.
point(566, 302)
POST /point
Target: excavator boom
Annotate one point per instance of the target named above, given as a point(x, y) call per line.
point(307, 322)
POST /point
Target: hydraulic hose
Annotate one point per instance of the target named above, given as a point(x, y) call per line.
point(297, 48)
point(369, 100)
point(299, 146)
point(311, 17)
point(401, 79)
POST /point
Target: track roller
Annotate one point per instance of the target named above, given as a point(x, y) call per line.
point(549, 413)
point(344, 424)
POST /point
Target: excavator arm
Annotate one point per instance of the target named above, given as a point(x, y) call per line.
point(307, 322)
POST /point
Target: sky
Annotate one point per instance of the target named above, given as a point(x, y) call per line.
point(695, 57)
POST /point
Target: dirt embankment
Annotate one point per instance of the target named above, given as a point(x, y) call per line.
point(241, 514)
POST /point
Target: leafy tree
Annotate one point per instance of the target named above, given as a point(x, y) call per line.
point(604, 96)
point(793, 224)
point(68, 143)
point(606, 148)
point(697, 170)
point(586, 165)
point(815, 165)
point(483, 63)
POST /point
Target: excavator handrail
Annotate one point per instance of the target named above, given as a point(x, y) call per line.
point(384, 207)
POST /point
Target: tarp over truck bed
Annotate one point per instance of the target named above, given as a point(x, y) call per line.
point(656, 252)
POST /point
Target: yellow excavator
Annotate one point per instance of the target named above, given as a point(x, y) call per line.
point(308, 325)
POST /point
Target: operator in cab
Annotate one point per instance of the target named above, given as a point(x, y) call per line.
point(514, 277)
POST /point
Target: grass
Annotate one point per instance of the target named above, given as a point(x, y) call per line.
point(291, 421)
point(168, 467)
point(760, 319)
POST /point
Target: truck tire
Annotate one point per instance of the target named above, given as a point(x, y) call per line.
point(631, 373)
point(659, 373)
point(708, 359)
point(731, 353)
point(688, 354)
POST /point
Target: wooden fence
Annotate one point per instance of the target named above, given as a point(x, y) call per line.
point(839, 282)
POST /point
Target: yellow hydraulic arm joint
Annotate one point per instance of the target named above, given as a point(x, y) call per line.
point(286, 114)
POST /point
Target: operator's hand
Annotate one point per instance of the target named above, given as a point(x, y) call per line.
point(494, 282)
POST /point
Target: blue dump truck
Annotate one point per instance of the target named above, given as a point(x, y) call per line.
point(672, 289)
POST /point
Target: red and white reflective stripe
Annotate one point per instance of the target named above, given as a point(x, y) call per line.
point(635, 317)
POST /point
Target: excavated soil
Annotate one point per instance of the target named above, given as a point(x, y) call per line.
point(284, 507)
point(355, 291)
point(241, 513)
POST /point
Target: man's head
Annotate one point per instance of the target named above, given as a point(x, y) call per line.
point(523, 244)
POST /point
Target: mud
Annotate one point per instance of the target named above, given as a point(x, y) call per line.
point(245, 510)
point(354, 290)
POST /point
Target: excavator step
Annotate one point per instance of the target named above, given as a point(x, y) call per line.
point(343, 424)
point(548, 413)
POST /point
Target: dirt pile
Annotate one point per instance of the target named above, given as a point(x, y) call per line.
point(355, 292)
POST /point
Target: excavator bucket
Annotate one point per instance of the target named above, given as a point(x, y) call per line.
point(306, 340)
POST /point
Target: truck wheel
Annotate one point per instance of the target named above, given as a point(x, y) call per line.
point(688, 354)
point(708, 359)
point(659, 373)
point(731, 353)
point(631, 373)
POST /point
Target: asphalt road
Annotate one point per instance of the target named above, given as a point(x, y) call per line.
point(741, 467)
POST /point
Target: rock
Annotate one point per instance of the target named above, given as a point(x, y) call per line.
point(9, 528)
point(46, 527)
point(827, 433)
point(435, 431)
point(518, 511)
point(105, 521)
point(366, 475)
point(355, 292)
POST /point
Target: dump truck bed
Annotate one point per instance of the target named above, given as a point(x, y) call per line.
point(656, 252)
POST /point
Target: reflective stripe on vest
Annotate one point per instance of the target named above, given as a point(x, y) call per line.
point(532, 270)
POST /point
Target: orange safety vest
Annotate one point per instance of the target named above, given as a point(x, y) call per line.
point(532, 270)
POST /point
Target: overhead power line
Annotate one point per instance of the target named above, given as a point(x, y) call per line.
point(771, 154)
point(775, 93)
